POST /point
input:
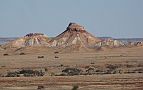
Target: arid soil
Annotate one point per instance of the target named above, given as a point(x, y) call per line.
point(107, 69)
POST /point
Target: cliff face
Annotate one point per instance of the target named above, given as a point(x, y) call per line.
point(74, 35)
point(31, 39)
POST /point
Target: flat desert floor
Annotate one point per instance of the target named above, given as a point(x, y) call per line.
point(115, 69)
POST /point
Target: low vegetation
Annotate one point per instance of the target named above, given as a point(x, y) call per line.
point(56, 57)
point(75, 87)
point(40, 87)
point(91, 69)
point(5, 54)
point(100, 70)
point(71, 71)
point(25, 73)
point(22, 54)
point(40, 56)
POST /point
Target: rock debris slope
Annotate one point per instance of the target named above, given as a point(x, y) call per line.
point(31, 39)
point(74, 35)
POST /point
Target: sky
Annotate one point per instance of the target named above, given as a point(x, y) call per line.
point(102, 18)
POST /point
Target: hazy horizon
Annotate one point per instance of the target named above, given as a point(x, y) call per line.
point(102, 18)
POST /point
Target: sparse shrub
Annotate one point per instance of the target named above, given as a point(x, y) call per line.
point(46, 69)
point(110, 71)
point(90, 71)
point(12, 74)
point(25, 73)
point(112, 67)
point(140, 70)
point(22, 54)
point(75, 87)
point(100, 71)
point(56, 52)
point(28, 73)
point(92, 63)
point(40, 56)
point(72, 71)
point(61, 65)
point(40, 87)
point(3, 66)
point(5, 54)
point(56, 57)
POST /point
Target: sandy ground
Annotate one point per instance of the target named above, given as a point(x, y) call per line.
point(127, 80)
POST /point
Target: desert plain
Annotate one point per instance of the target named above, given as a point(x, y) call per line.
point(107, 69)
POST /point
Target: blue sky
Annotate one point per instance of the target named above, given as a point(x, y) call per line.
point(114, 18)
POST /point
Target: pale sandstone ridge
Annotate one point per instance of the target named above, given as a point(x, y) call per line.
point(111, 43)
point(31, 39)
point(74, 35)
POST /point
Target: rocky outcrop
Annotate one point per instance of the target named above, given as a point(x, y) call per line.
point(74, 35)
point(138, 43)
point(111, 43)
point(31, 39)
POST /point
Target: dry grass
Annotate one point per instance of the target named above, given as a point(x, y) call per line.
point(127, 60)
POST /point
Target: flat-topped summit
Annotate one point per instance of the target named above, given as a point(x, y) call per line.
point(31, 39)
point(34, 34)
point(75, 27)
